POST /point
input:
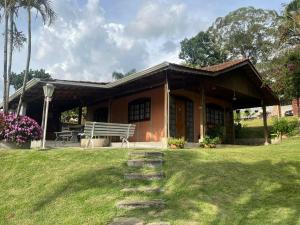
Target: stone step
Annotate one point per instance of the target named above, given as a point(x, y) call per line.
point(140, 204)
point(143, 190)
point(145, 163)
point(144, 176)
point(127, 221)
point(134, 221)
point(146, 154)
point(159, 223)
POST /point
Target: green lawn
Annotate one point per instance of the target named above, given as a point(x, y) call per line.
point(254, 128)
point(232, 185)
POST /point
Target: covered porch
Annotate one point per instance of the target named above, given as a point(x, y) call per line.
point(167, 100)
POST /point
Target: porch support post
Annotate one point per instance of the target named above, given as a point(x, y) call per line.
point(109, 110)
point(265, 123)
point(43, 115)
point(279, 111)
point(166, 112)
point(79, 114)
point(23, 109)
point(202, 116)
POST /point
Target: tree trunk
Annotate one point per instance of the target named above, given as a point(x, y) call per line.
point(28, 61)
point(5, 97)
point(11, 42)
point(298, 106)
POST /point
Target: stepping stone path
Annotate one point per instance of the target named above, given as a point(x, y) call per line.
point(140, 204)
point(144, 176)
point(142, 159)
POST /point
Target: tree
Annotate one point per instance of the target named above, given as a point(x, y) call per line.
point(118, 75)
point(44, 8)
point(14, 38)
point(290, 24)
point(246, 32)
point(293, 76)
point(16, 80)
point(201, 50)
point(5, 80)
point(283, 74)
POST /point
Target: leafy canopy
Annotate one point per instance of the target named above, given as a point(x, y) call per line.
point(283, 74)
point(246, 32)
point(290, 24)
point(17, 79)
point(201, 50)
point(118, 75)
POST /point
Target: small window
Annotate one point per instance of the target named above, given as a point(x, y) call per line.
point(214, 115)
point(139, 110)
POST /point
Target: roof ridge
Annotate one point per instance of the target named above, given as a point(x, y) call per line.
point(224, 65)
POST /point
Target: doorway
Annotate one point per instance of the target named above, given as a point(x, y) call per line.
point(181, 118)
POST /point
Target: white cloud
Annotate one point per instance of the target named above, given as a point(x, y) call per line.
point(157, 19)
point(83, 44)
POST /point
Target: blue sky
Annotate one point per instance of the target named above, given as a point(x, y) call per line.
point(92, 38)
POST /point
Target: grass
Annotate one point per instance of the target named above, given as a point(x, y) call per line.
point(254, 128)
point(233, 185)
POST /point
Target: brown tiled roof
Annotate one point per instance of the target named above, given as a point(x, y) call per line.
point(223, 66)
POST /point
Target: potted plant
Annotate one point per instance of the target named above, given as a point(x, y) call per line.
point(18, 131)
point(209, 142)
point(176, 143)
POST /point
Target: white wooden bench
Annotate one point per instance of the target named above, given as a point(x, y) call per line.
point(99, 129)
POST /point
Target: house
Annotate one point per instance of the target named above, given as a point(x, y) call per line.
point(166, 100)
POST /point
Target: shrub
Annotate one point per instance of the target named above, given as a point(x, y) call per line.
point(1, 122)
point(238, 130)
point(20, 130)
point(284, 127)
point(216, 131)
point(176, 142)
point(209, 142)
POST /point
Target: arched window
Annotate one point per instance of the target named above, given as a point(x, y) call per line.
point(214, 115)
point(139, 110)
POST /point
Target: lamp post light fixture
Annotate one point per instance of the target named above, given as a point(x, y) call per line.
point(48, 92)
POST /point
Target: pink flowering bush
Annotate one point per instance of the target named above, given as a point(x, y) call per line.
point(1, 122)
point(19, 130)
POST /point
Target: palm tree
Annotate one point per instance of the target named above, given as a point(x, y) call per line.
point(44, 8)
point(14, 38)
point(4, 5)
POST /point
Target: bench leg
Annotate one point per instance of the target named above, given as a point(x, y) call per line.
point(88, 143)
point(123, 141)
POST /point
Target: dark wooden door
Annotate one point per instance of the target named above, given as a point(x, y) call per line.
point(180, 118)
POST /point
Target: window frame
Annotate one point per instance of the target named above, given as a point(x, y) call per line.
point(138, 108)
point(215, 115)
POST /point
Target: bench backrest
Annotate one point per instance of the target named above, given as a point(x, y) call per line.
point(100, 129)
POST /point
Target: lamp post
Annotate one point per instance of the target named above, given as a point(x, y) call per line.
point(48, 92)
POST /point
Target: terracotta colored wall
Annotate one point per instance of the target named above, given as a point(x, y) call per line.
point(196, 98)
point(295, 107)
point(152, 130)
